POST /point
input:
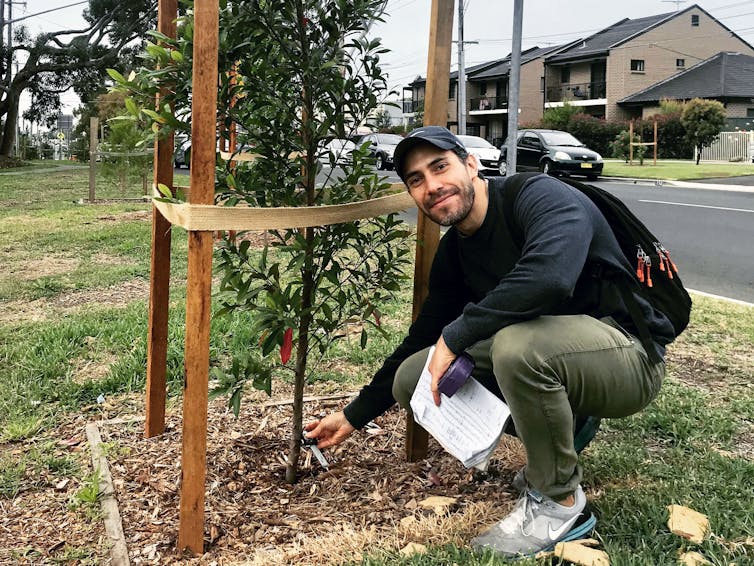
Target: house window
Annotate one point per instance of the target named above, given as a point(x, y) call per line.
point(483, 89)
point(695, 20)
point(680, 63)
point(637, 65)
point(750, 112)
point(452, 91)
point(541, 84)
point(565, 75)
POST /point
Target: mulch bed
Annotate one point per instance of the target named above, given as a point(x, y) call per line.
point(369, 497)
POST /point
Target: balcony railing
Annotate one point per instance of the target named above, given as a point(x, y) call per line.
point(576, 91)
point(411, 106)
point(488, 103)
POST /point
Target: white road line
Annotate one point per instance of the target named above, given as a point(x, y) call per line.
point(697, 205)
point(728, 299)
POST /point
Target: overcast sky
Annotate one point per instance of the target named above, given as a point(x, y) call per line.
point(406, 28)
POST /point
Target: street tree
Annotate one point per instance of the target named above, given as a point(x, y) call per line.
point(294, 74)
point(704, 120)
point(57, 61)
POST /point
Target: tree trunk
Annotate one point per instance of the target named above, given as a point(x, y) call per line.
point(302, 347)
point(698, 154)
point(9, 128)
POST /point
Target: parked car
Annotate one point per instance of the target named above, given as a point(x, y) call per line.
point(182, 155)
point(340, 148)
point(487, 154)
point(553, 152)
point(382, 146)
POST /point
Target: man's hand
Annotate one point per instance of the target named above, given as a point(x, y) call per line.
point(331, 430)
point(438, 365)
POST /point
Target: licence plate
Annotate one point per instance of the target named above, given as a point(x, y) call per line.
point(586, 165)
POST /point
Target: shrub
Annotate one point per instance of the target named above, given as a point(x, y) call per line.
point(558, 118)
point(619, 147)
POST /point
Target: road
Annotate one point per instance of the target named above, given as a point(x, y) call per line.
point(710, 233)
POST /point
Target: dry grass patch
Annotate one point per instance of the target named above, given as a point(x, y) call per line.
point(30, 269)
point(117, 296)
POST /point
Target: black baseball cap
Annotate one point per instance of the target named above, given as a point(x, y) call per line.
point(436, 135)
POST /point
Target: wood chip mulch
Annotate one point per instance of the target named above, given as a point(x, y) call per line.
point(370, 497)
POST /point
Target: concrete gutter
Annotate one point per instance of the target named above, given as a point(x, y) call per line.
point(681, 184)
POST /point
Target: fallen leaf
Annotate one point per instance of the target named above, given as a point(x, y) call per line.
point(438, 503)
point(687, 523)
point(579, 552)
point(693, 559)
point(413, 548)
point(61, 484)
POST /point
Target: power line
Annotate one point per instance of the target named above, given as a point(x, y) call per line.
point(47, 11)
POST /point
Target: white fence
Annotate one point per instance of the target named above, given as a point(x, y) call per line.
point(730, 146)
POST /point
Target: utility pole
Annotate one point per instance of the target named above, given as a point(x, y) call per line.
point(513, 87)
point(461, 72)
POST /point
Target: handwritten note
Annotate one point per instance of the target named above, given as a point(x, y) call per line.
point(468, 424)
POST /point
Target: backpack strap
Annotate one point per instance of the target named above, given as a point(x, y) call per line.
point(511, 188)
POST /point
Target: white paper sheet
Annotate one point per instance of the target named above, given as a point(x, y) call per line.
point(468, 424)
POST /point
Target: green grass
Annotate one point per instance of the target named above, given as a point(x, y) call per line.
point(676, 170)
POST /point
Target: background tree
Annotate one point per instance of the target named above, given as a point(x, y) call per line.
point(74, 58)
point(299, 72)
point(703, 120)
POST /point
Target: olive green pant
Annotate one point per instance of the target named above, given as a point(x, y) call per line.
point(549, 370)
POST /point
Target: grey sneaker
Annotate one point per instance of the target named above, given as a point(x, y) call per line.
point(536, 524)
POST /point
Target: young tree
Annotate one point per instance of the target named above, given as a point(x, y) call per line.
point(294, 74)
point(703, 120)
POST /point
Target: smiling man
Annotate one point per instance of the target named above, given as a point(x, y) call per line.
point(546, 334)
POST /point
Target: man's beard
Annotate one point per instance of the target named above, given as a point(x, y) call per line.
point(466, 192)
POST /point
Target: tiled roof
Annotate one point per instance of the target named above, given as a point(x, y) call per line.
point(725, 75)
point(503, 67)
point(603, 40)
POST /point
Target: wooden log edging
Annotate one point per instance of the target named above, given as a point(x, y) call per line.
point(108, 502)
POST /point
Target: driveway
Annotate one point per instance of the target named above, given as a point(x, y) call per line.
point(747, 180)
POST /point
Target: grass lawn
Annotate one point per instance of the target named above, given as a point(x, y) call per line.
point(73, 312)
point(676, 170)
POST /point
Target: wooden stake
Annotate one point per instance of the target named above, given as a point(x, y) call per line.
point(655, 140)
point(159, 279)
point(427, 231)
point(93, 141)
point(199, 286)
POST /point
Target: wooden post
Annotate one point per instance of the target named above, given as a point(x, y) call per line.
point(655, 140)
point(92, 156)
point(631, 142)
point(199, 286)
point(159, 279)
point(427, 231)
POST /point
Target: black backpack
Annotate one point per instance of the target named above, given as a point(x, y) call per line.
point(656, 274)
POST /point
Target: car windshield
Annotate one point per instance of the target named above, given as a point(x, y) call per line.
point(561, 138)
point(390, 139)
point(474, 141)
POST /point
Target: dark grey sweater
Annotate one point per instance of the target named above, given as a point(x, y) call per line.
point(482, 283)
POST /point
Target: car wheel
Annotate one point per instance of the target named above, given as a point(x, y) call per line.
point(592, 177)
point(546, 167)
point(381, 162)
point(502, 167)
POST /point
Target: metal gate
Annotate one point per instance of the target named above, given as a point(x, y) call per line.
point(730, 146)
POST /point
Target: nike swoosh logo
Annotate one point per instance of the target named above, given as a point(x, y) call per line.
point(560, 531)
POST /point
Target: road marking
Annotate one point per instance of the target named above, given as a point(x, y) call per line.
point(697, 205)
point(720, 297)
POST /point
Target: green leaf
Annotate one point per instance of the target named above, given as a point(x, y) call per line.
point(164, 190)
point(116, 76)
point(363, 338)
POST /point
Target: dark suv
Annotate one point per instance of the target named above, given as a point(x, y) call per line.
point(553, 152)
point(382, 146)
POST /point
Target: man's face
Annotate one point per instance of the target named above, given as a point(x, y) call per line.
point(440, 183)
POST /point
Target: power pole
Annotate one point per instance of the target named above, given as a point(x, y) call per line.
point(461, 72)
point(513, 87)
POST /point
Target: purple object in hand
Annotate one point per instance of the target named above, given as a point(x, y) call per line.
point(456, 375)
